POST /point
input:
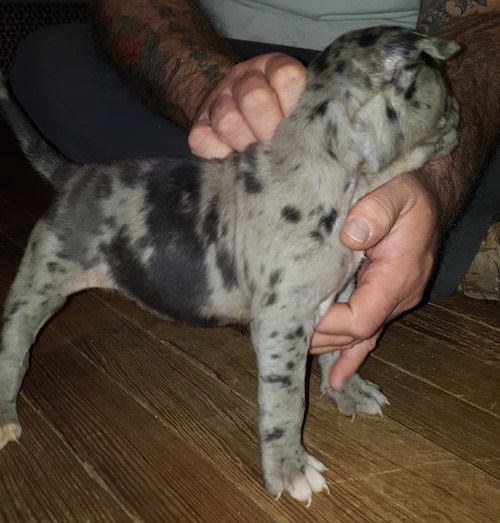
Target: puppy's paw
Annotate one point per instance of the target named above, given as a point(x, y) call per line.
point(9, 431)
point(299, 477)
point(359, 395)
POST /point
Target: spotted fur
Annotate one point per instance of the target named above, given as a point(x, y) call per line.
point(251, 238)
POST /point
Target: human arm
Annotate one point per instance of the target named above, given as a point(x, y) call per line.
point(405, 220)
point(169, 51)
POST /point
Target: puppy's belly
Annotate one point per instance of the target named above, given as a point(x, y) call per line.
point(171, 280)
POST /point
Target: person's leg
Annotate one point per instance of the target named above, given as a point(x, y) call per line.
point(80, 103)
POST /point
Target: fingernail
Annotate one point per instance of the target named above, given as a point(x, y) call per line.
point(357, 229)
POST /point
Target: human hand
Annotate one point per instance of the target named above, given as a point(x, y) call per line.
point(397, 226)
point(247, 105)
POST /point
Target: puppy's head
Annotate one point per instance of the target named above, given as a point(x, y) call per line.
point(386, 90)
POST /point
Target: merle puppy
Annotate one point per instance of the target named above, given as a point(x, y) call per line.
point(251, 238)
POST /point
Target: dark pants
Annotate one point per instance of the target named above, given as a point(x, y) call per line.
point(81, 105)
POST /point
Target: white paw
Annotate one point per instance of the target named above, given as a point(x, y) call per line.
point(311, 480)
point(300, 483)
point(10, 431)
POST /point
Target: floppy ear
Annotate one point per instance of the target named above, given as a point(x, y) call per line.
point(403, 53)
point(438, 48)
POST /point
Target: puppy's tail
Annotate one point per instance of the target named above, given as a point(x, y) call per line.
point(41, 154)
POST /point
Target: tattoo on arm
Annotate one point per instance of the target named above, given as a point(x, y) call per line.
point(167, 50)
point(433, 13)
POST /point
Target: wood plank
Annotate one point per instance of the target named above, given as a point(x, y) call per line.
point(480, 311)
point(135, 453)
point(466, 334)
point(42, 480)
point(462, 429)
point(443, 365)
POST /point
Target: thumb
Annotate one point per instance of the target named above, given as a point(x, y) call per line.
point(373, 217)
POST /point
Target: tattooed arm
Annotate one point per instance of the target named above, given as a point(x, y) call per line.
point(401, 224)
point(167, 50)
point(474, 77)
point(170, 53)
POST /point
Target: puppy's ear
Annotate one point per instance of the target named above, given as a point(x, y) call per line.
point(438, 48)
point(403, 53)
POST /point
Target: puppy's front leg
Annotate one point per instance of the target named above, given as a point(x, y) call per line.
point(281, 356)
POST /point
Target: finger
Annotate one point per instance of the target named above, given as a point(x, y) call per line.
point(205, 143)
point(363, 315)
point(349, 362)
point(287, 77)
point(373, 216)
point(259, 104)
point(229, 124)
point(321, 343)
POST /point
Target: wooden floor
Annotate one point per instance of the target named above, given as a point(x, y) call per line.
point(128, 418)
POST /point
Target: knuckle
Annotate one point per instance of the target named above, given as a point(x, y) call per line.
point(198, 139)
point(229, 123)
point(203, 142)
point(257, 98)
point(290, 74)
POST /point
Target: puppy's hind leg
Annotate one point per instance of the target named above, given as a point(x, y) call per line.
point(44, 281)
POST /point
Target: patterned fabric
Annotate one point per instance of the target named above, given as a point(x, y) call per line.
point(482, 280)
point(18, 19)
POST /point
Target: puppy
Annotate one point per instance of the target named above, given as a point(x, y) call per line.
point(252, 238)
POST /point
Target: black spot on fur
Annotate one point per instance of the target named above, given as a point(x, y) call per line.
point(226, 265)
point(42, 291)
point(249, 168)
point(331, 132)
point(328, 220)
point(274, 334)
point(129, 173)
point(271, 299)
point(211, 221)
point(291, 214)
point(103, 187)
point(275, 356)
point(320, 63)
point(367, 40)
point(316, 235)
point(180, 291)
point(110, 222)
point(411, 90)
point(429, 61)
point(273, 435)
point(283, 380)
point(53, 267)
point(316, 86)
point(392, 115)
point(252, 184)
point(298, 333)
point(340, 67)
point(290, 365)
point(319, 110)
point(274, 278)
point(14, 307)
